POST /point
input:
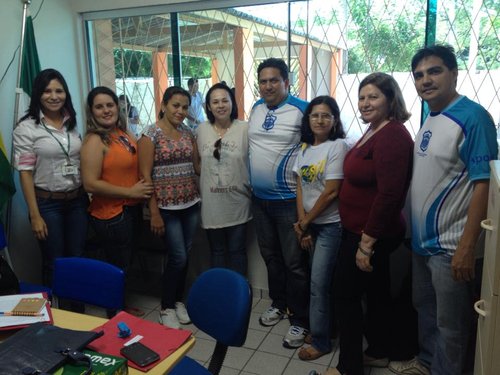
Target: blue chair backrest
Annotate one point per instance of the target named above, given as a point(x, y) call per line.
point(89, 280)
point(3, 240)
point(219, 303)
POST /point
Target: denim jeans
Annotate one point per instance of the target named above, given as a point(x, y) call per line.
point(286, 262)
point(118, 235)
point(323, 259)
point(233, 239)
point(349, 287)
point(445, 313)
point(180, 228)
point(66, 222)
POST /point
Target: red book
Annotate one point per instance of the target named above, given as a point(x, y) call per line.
point(161, 339)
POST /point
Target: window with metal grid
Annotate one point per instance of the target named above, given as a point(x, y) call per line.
point(329, 46)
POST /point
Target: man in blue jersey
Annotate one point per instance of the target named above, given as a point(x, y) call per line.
point(449, 194)
point(274, 136)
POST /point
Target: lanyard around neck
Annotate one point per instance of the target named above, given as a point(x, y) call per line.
point(66, 152)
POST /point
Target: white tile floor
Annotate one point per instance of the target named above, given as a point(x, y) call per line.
point(262, 353)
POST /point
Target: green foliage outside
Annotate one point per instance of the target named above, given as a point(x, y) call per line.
point(383, 36)
point(489, 33)
point(134, 63)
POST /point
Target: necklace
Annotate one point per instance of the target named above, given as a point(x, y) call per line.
point(221, 131)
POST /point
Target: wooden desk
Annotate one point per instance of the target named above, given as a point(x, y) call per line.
point(71, 320)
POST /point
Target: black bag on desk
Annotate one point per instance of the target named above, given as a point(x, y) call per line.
point(41, 347)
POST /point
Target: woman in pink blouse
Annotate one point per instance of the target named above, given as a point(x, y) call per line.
point(168, 157)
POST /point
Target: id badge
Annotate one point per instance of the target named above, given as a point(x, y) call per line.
point(69, 169)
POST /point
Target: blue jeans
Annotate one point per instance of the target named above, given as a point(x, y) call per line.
point(286, 262)
point(180, 228)
point(66, 222)
point(445, 313)
point(323, 259)
point(118, 235)
point(233, 239)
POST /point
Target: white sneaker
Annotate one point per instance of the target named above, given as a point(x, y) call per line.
point(271, 317)
point(295, 336)
point(182, 314)
point(168, 318)
point(411, 367)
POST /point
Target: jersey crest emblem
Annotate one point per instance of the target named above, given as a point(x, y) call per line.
point(269, 121)
point(426, 138)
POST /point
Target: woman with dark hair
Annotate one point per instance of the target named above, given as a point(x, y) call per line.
point(377, 172)
point(47, 155)
point(168, 157)
point(110, 172)
point(319, 177)
point(224, 181)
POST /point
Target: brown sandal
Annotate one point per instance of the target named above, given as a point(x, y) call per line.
point(310, 353)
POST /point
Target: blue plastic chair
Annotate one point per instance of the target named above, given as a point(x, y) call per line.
point(219, 304)
point(25, 287)
point(89, 281)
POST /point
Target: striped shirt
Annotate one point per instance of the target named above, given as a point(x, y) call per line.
point(452, 150)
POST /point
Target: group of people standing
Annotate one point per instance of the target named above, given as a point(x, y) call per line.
point(327, 217)
point(314, 184)
point(344, 206)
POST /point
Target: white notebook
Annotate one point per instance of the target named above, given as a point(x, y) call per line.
point(7, 303)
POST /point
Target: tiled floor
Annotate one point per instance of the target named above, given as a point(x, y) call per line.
point(262, 353)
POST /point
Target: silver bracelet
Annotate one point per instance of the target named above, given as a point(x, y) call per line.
point(364, 251)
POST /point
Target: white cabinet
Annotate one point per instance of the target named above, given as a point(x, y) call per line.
point(488, 307)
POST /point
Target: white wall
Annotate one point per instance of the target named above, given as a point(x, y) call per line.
point(58, 36)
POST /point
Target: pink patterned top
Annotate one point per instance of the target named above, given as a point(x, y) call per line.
point(173, 172)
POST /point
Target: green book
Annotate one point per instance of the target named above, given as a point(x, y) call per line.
point(102, 364)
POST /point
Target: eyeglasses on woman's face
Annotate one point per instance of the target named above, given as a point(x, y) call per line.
point(320, 116)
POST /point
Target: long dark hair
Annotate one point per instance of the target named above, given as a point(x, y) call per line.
point(221, 86)
point(337, 130)
point(92, 125)
point(41, 81)
point(171, 91)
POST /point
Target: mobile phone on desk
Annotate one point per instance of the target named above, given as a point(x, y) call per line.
point(140, 354)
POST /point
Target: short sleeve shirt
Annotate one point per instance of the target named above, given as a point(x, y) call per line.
point(274, 137)
point(42, 148)
point(315, 165)
point(452, 150)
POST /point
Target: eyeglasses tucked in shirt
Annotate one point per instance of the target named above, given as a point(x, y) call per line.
point(124, 141)
point(217, 145)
